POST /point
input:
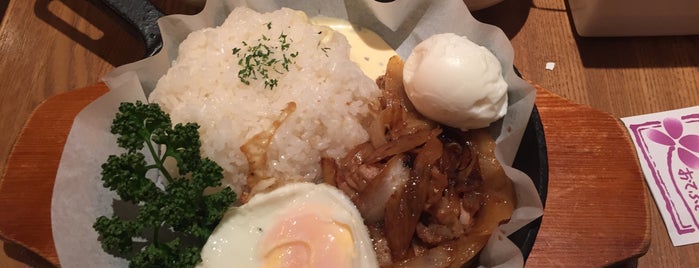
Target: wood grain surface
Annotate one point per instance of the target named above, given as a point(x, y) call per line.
point(597, 198)
point(591, 179)
point(48, 47)
point(622, 76)
point(34, 161)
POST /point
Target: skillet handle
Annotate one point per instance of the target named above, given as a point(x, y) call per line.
point(143, 15)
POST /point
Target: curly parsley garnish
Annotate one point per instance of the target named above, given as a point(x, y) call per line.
point(262, 60)
point(175, 221)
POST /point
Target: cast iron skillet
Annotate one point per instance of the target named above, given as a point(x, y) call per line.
point(531, 157)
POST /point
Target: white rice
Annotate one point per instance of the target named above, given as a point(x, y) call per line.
point(331, 93)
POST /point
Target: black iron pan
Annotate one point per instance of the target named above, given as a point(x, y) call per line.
point(531, 157)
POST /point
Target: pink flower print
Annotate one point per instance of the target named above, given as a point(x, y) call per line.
point(687, 146)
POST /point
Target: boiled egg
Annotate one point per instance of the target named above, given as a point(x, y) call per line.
point(456, 82)
point(296, 225)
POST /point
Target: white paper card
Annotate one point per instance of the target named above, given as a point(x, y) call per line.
point(667, 144)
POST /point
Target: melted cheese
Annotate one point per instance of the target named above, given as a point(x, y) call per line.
point(369, 50)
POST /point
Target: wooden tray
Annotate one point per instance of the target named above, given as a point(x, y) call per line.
point(596, 214)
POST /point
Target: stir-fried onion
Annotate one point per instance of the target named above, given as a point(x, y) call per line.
point(255, 151)
point(431, 195)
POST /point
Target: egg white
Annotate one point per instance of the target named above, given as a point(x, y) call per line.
point(456, 82)
point(236, 240)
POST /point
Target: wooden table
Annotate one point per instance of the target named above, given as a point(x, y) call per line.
point(48, 47)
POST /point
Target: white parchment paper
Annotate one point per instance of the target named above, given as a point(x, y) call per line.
point(79, 198)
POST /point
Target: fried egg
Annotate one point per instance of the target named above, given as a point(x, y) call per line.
point(296, 225)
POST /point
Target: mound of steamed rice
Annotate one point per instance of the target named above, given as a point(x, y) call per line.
point(331, 93)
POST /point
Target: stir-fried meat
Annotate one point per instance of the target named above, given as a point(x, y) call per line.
point(446, 210)
point(383, 253)
point(431, 195)
point(435, 234)
point(471, 202)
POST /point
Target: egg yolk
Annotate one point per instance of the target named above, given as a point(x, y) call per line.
point(307, 239)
